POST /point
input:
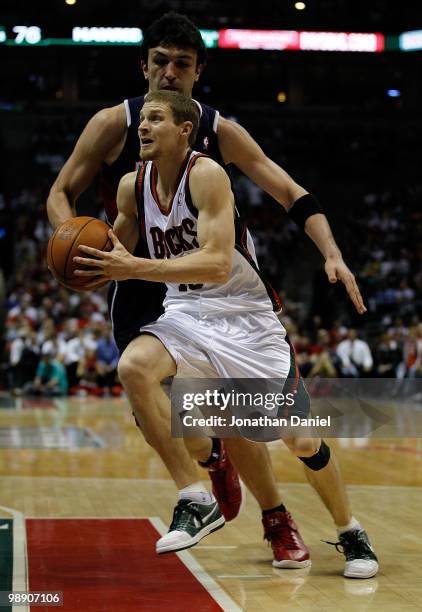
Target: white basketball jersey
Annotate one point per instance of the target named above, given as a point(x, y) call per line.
point(173, 233)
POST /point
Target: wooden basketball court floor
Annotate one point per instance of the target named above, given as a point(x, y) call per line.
point(83, 499)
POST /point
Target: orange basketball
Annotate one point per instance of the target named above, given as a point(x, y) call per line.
point(63, 247)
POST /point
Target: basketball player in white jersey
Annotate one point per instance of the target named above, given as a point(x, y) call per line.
point(219, 320)
point(173, 57)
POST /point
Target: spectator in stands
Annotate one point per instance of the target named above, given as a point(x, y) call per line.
point(47, 331)
point(405, 297)
point(398, 330)
point(107, 359)
point(76, 348)
point(387, 356)
point(411, 364)
point(53, 345)
point(304, 361)
point(355, 356)
point(25, 307)
point(87, 374)
point(325, 360)
point(23, 358)
point(50, 379)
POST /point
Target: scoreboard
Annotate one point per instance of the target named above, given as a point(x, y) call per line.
point(275, 40)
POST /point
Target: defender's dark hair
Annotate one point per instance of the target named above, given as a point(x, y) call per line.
point(174, 29)
point(182, 108)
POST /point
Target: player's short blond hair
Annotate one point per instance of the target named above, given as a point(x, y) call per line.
point(182, 107)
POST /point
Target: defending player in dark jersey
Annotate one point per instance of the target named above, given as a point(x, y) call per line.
point(173, 58)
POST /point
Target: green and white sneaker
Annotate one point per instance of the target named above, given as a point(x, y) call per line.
point(361, 560)
point(191, 522)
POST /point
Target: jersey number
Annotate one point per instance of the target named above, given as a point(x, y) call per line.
point(184, 287)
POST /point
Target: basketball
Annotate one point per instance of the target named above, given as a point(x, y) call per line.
point(63, 247)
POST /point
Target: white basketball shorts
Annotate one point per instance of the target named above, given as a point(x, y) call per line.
point(246, 345)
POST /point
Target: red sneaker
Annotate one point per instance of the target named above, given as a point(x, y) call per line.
point(289, 549)
point(226, 485)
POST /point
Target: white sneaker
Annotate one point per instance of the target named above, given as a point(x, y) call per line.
point(191, 522)
point(361, 560)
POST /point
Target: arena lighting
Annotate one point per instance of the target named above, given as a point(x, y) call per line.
point(281, 97)
point(70, 2)
point(300, 6)
point(303, 41)
point(411, 41)
point(393, 93)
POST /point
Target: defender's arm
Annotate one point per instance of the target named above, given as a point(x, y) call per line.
point(239, 148)
point(101, 141)
point(126, 224)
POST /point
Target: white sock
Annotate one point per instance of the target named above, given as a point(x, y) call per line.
point(353, 525)
point(198, 493)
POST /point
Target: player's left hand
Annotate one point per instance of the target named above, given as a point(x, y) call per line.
point(336, 270)
point(117, 264)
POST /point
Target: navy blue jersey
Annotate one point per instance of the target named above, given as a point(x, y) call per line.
point(134, 303)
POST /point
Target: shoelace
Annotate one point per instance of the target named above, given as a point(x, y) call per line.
point(336, 544)
point(184, 507)
point(353, 546)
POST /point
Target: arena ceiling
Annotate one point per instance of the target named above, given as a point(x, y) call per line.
point(347, 15)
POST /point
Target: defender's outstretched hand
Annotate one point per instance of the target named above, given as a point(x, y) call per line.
point(336, 270)
point(117, 264)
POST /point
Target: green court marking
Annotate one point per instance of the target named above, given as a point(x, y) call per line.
point(6, 558)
